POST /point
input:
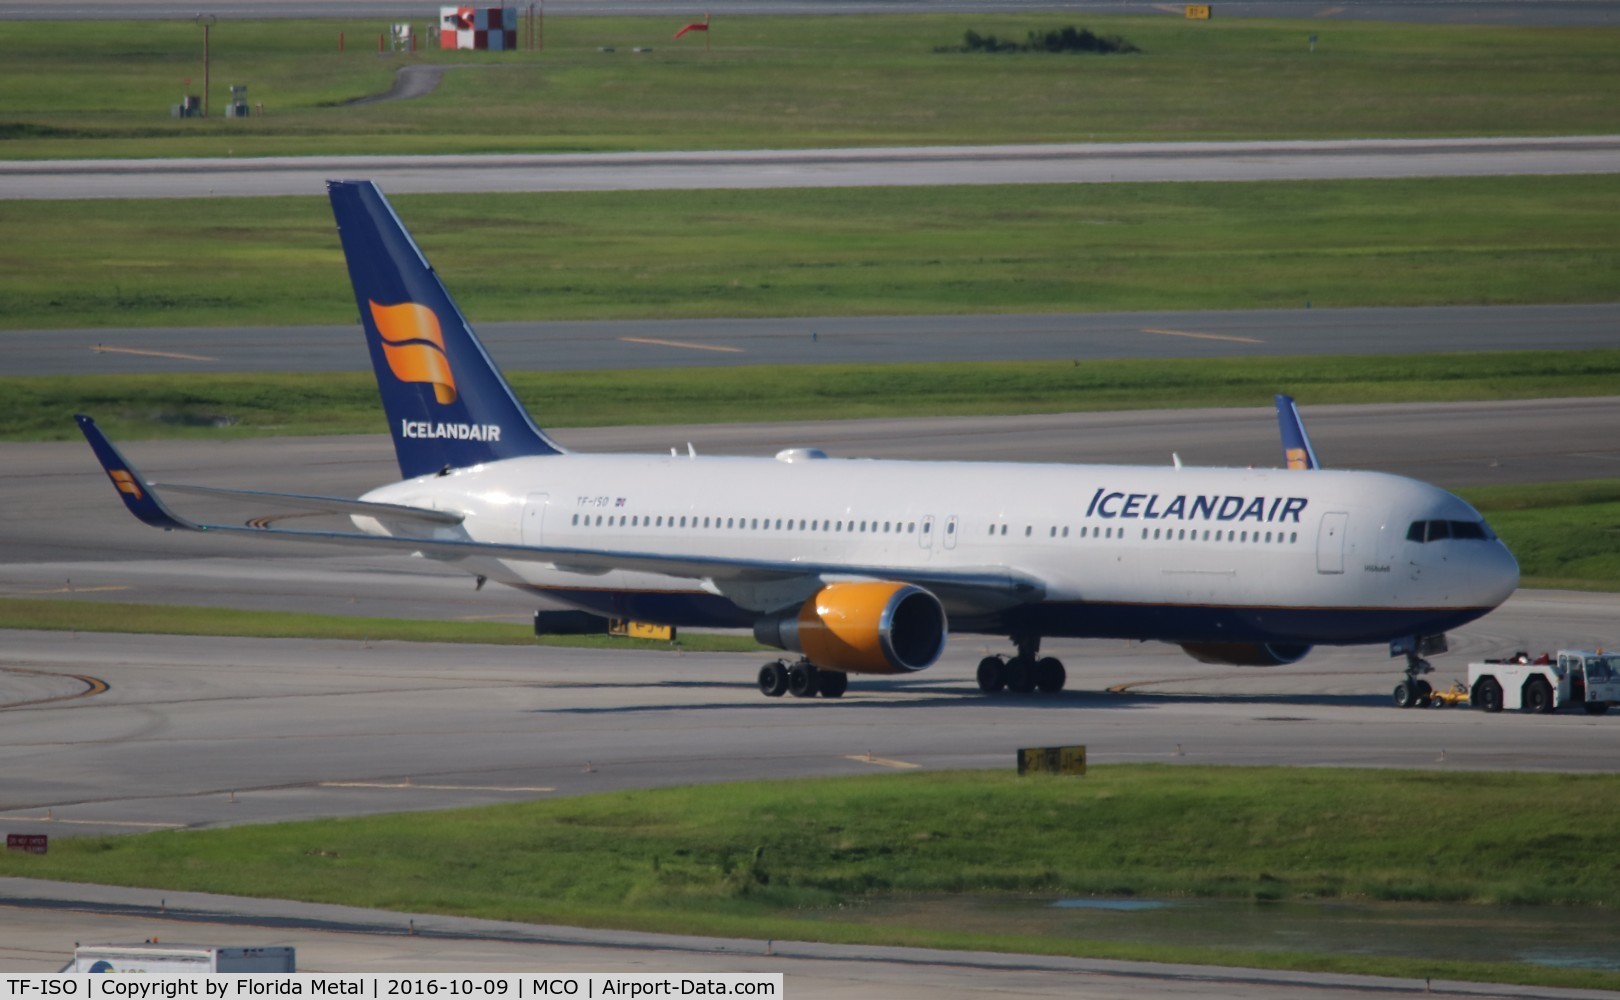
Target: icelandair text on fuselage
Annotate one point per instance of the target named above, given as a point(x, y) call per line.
point(173, 984)
point(1181, 507)
point(457, 432)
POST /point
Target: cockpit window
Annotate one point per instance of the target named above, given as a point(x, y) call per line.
point(1434, 531)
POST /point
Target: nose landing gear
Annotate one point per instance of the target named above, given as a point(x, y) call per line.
point(1414, 691)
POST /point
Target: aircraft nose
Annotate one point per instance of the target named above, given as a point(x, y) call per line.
point(1495, 576)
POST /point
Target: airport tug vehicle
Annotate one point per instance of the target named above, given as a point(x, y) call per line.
point(1584, 677)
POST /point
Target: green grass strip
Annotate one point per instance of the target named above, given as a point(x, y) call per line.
point(149, 406)
point(801, 859)
point(774, 82)
point(833, 252)
point(1565, 535)
point(176, 619)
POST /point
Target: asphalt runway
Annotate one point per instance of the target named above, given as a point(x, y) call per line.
point(1078, 163)
point(1548, 12)
point(618, 344)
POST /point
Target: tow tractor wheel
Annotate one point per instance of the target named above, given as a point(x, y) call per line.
point(803, 679)
point(992, 675)
point(831, 683)
point(773, 679)
point(1488, 693)
point(1020, 675)
point(1538, 696)
point(1050, 675)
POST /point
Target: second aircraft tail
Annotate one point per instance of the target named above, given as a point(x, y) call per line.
point(447, 403)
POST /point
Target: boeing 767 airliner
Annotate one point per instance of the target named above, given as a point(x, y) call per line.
point(863, 566)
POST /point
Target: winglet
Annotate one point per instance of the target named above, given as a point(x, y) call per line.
point(136, 492)
point(1297, 450)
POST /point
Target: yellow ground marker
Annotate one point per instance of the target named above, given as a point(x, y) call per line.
point(401, 785)
point(866, 758)
point(104, 349)
point(70, 589)
point(682, 343)
point(1203, 336)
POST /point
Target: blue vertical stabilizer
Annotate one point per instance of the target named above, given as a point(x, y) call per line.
point(448, 405)
point(1297, 450)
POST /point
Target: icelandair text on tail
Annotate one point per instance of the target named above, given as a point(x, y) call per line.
point(589, 986)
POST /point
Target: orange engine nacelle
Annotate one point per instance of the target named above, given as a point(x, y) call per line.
point(1246, 654)
point(862, 628)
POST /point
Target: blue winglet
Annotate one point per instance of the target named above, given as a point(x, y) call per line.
point(1297, 450)
point(136, 492)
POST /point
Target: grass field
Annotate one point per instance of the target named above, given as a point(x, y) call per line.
point(861, 251)
point(779, 859)
point(105, 89)
point(175, 619)
point(145, 406)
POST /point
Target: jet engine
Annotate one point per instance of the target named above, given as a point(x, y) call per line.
point(1246, 654)
point(877, 627)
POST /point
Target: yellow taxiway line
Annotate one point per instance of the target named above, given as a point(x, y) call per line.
point(1203, 336)
point(104, 349)
point(682, 343)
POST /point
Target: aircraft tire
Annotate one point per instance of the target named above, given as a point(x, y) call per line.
point(1404, 696)
point(773, 679)
point(832, 683)
point(992, 675)
point(802, 679)
point(1020, 675)
point(1050, 675)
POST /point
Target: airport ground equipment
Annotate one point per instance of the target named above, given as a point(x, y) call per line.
point(1457, 694)
point(1584, 677)
point(180, 959)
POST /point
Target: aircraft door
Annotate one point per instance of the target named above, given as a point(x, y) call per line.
point(1330, 542)
point(925, 532)
point(950, 532)
point(534, 518)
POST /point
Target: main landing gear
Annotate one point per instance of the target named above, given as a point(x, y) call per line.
point(802, 680)
point(1028, 671)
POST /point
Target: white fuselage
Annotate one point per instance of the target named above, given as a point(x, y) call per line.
point(1181, 554)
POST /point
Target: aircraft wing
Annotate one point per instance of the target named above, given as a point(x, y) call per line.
point(324, 505)
point(977, 588)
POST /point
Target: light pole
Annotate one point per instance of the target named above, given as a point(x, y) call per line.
point(207, 22)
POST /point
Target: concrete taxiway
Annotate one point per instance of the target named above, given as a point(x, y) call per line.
point(617, 344)
point(1075, 163)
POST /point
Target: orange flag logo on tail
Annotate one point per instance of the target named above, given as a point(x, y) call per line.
point(125, 482)
point(414, 346)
